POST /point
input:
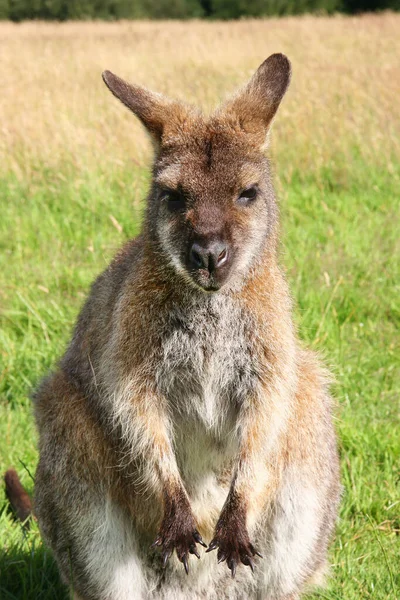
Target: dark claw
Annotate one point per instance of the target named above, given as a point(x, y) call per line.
point(221, 557)
point(185, 563)
point(212, 546)
point(255, 552)
point(165, 557)
point(232, 566)
point(157, 542)
point(199, 539)
point(247, 560)
point(193, 550)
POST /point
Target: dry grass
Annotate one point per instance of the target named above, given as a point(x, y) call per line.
point(343, 101)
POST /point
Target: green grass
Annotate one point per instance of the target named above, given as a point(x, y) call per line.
point(341, 250)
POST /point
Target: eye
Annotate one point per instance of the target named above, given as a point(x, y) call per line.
point(175, 200)
point(248, 196)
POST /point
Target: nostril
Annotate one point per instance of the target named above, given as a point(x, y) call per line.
point(222, 257)
point(196, 258)
point(199, 257)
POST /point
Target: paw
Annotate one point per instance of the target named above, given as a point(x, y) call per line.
point(178, 533)
point(232, 539)
point(234, 551)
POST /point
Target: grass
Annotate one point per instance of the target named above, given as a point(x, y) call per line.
point(72, 180)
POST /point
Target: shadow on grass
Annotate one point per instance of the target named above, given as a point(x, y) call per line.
point(28, 570)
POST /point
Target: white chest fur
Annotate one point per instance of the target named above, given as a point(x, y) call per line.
point(206, 369)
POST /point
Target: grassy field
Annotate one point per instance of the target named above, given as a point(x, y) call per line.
point(73, 174)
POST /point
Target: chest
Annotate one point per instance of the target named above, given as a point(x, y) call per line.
point(207, 365)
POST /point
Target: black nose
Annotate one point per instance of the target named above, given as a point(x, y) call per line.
point(209, 256)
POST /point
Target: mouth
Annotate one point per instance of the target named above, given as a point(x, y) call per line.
point(207, 281)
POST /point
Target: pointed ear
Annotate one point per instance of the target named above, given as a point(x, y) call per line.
point(154, 110)
point(255, 106)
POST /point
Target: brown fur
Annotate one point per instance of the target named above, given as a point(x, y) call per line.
point(18, 497)
point(185, 384)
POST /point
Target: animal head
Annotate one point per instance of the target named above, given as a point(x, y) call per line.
point(211, 207)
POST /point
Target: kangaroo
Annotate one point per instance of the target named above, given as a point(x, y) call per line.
point(185, 410)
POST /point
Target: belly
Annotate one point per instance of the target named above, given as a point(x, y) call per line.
point(205, 457)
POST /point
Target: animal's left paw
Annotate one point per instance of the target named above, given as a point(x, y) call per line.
point(234, 551)
point(232, 539)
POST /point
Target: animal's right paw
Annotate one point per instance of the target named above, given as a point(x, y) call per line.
point(232, 538)
point(178, 532)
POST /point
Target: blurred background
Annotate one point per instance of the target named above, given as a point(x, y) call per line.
point(74, 173)
point(18, 10)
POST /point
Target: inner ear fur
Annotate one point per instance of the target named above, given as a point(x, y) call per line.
point(154, 110)
point(256, 104)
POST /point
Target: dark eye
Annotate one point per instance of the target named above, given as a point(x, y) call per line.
point(248, 196)
point(175, 200)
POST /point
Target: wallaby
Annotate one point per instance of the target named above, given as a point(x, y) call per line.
point(185, 410)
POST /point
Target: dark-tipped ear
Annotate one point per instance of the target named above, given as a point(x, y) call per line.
point(255, 106)
point(152, 109)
